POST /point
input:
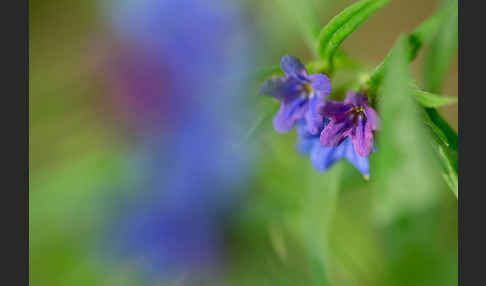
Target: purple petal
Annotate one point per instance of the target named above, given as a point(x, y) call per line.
point(335, 132)
point(360, 163)
point(321, 84)
point(372, 117)
point(333, 108)
point(313, 119)
point(292, 67)
point(362, 138)
point(357, 99)
point(289, 113)
point(323, 158)
point(284, 89)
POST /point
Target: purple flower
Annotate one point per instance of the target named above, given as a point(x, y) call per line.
point(352, 118)
point(300, 94)
point(323, 157)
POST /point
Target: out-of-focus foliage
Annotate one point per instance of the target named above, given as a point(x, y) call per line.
point(405, 176)
point(422, 35)
point(442, 49)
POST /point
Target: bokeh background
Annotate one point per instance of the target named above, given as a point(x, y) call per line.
point(151, 162)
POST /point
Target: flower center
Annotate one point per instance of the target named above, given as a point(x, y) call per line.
point(357, 110)
point(307, 88)
point(356, 113)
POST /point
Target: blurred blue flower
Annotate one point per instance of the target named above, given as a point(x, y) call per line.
point(300, 94)
point(170, 52)
point(190, 163)
point(323, 157)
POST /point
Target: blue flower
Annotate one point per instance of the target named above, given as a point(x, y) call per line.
point(323, 157)
point(300, 95)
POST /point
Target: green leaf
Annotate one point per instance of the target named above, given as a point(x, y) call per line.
point(449, 161)
point(422, 35)
point(442, 51)
point(445, 128)
point(428, 99)
point(440, 136)
point(446, 140)
point(406, 175)
point(342, 25)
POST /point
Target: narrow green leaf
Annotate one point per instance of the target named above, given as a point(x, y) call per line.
point(446, 140)
point(428, 99)
point(441, 51)
point(449, 162)
point(422, 35)
point(440, 136)
point(342, 25)
point(445, 128)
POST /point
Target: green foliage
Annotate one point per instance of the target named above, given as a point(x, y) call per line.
point(428, 99)
point(442, 50)
point(438, 59)
point(422, 35)
point(65, 214)
point(446, 146)
point(441, 31)
point(405, 173)
point(342, 25)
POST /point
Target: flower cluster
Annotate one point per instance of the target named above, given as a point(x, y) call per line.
point(328, 130)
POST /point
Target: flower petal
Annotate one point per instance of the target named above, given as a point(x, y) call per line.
point(321, 84)
point(313, 119)
point(289, 113)
point(306, 141)
point(292, 67)
point(360, 163)
point(323, 158)
point(284, 89)
point(372, 117)
point(335, 132)
point(357, 99)
point(362, 137)
point(332, 108)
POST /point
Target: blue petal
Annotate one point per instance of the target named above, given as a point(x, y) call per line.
point(306, 141)
point(292, 67)
point(321, 84)
point(360, 163)
point(284, 89)
point(289, 113)
point(323, 158)
point(304, 144)
point(315, 121)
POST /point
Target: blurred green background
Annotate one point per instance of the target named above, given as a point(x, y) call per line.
point(298, 227)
